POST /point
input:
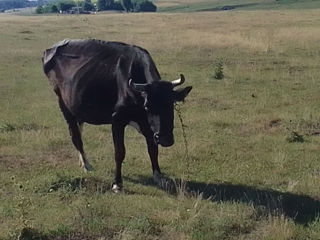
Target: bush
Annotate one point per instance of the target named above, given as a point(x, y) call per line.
point(108, 5)
point(218, 71)
point(87, 6)
point(127, 5)
point(50, 8)
point(101, 5)
point(39, 10)
point(65, 5)
point(53, 8)
point(144, 6)
point(117, 6)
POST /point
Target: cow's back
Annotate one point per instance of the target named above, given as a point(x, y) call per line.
point(74, 54)
point(85, 73)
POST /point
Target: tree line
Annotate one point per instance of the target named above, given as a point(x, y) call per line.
point(100, 5)
point(12, 4)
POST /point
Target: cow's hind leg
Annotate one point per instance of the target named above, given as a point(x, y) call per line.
point(75, 129)
point(83, 161)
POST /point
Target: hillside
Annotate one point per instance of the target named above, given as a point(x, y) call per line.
point(221, 5)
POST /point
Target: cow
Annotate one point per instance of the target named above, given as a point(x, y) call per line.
point(99, 82)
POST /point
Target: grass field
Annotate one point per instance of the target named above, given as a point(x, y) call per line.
point(253, 168)
point(218, 5)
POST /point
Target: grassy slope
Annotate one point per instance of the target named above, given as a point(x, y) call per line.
point(261, 185)
point(218, 5)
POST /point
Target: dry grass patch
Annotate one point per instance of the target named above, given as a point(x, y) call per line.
point(274, 228)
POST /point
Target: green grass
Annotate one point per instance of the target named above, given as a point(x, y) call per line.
point(222, 5)
point(246, 180)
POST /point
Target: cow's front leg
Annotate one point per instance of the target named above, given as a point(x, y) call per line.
point(119, 154)
point(158, 178)
point(153, 152)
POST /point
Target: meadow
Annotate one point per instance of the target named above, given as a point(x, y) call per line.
point(252, 170)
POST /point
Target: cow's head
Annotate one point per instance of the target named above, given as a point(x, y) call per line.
point(159, 98)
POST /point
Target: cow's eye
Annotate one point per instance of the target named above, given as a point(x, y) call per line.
point(146, 108)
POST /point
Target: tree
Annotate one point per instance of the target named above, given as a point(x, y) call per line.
point(49, 8)
point(110, 4)
point(127, 5)
point(87, 6)
point(107, 5)
point(101, 5)
point(65, 5)
point(39, 10)
point(10, 4)
point(54, 8)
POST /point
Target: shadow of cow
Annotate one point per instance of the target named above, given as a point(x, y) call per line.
point(302, 209)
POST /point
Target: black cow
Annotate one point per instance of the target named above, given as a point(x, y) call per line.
point(100, 82)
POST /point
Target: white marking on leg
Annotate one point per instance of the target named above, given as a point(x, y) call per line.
point(116, 188)
point(84, 163)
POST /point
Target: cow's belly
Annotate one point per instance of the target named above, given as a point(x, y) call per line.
point(94, 115)
point(91, 99)
point(95, 109)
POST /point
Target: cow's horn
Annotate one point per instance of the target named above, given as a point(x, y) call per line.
point(139, 87)
point(178, 81)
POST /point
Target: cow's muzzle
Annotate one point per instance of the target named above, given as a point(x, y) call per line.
point(164, 140)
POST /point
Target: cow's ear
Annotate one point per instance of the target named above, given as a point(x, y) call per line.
point(180, 94)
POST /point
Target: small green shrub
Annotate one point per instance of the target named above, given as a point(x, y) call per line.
point(6, 127)
point(218, 70)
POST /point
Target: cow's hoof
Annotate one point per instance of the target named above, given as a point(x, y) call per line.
point(157, 177)
point(87, 168)
point(162, 182)
point(117, 188)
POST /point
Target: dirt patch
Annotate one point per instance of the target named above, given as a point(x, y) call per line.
point(28, 233)
point(260, 125)
point(8, 127)
point(274, 123)
point(315, 133)
point(57, 156)
point(53, 158)
point(13, 161)
point(211, 102)
point(26, 32)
